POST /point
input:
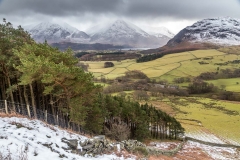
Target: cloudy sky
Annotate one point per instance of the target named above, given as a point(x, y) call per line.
point(147, 14)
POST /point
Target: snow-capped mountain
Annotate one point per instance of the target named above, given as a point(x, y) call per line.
point(117, 33)
point(123, 33)
point(159, 32)
point(221, 31)
point(53, 32)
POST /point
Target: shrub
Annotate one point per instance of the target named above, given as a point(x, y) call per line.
point(108, 64)
point(117, 130)
point(141, 151)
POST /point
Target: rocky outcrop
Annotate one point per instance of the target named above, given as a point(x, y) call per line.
point(99, 145)
point(96, 146)
point(155, 151)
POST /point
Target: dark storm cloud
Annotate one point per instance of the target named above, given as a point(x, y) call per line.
point(188, 9)
point(60, 7)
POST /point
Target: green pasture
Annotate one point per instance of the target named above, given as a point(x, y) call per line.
point(192, 68)
point(206, 53)
point(184, 64)
point(220, 118)
point(231, 84)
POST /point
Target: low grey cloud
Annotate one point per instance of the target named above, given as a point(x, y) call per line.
point(128, 8)
point(59, 7)
point(84, 13)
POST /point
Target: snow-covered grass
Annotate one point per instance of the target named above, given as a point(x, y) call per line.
point(205, 137)
point(38, 141)
point(195, 150)
point(217, 153)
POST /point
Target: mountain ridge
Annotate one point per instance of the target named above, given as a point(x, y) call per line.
point(219, 31)
point(117, 33)
point(54, 32)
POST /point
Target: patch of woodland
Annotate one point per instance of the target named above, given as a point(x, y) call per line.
point(142, 86)
point(107, 56)
point(220, 74)
point(63, 46)
point(199, 86)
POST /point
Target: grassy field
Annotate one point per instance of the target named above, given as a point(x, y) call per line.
point(173, 64)
point(232, 84)
point(206, 116)
point(185, 64)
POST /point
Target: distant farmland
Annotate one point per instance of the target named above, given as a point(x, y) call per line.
point(183, 64)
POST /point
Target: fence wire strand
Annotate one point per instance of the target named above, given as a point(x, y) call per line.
point(56, 120)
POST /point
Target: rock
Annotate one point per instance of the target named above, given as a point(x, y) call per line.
point(81, 152)
point(48, 136)
point(73, 143)
point(100, 137)
point(83, 143)
point(87, 147)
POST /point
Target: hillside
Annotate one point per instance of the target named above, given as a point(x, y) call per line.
point(56, 32)
point(32, 139)
point(123, 33)
point(220, 31)
point(37, 140)
point(211, 33)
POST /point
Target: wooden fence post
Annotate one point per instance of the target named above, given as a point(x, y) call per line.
point(6, 109)
point(45, 115)
point(28, 109)
point(57, 119)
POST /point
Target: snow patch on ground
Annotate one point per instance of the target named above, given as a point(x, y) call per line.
point(39, 141)
point(217, 153)
point(194, 150)
point(207, 137)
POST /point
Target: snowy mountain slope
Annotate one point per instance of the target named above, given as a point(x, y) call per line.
point(160, 32)
point(123, 33)
point(117, 33)
point(222, 31)
point(53, 32)
point(38, 141)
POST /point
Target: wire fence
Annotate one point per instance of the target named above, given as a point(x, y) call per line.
point(28, 111)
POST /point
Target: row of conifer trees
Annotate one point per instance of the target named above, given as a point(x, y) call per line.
point(47, 79)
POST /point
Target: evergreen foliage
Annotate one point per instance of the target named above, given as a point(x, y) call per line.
point(149, 57)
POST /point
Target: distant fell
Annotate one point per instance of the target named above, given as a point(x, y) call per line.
point(211, 33)
point(125, 33)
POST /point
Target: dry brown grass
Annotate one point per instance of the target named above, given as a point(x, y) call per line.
point(3, 115)
point(164, 107)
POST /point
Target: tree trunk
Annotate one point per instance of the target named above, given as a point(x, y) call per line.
point(52, 107)
point(33, 101)
point(20, 97)
point(3, 89)
point(11, 94)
